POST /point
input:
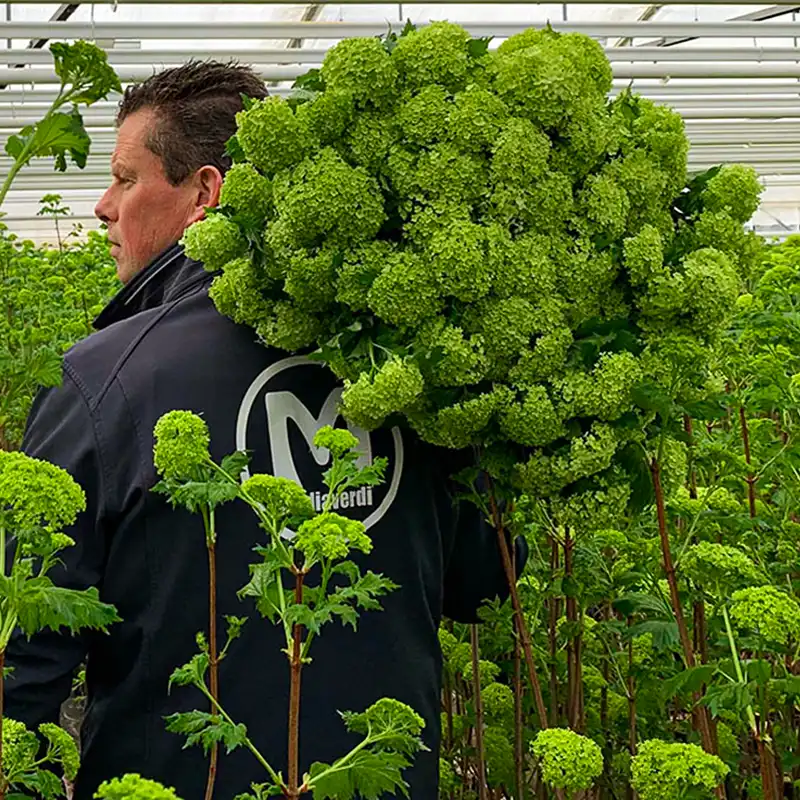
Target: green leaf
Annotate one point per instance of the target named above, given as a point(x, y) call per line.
point(790, 685)
point(58, 134)
point(84, 68)
point(16, 143)
point(42, 605)
point(235, 463)
point(311, 81)
point(263, 587)
point(479, 47)
point(206, 729)
point(640, 603)
point(665, 633)
point(368, 774)
point(733, 697)
point(233, 148)
point(192, 673)
point(652, 397)
point(688, 681)
point(301, 614)
point(45, 783)
point(759, 671)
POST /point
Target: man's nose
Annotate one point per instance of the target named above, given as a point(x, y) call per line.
point(104, 208)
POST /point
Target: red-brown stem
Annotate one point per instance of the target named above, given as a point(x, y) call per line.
point(213, 659)
point(293, 766)
point(767, 764)
point(553, 604)
point(669, 567)
point(518, 727)
point(751, 481)
point(522, 627)
point(683, 630)
point(478, 700)
point(3, 786)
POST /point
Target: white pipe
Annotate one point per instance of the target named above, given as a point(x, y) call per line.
point(276, 29)
point(266, 55)
point(46, 75)
point(272, 55)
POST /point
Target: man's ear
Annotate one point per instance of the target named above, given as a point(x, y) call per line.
point(206, 186)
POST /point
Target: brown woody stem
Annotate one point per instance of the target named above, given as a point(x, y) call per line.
point(3, 784)
point(522, 627)
point(554, 610)
point(476, 696)
point(293, 767)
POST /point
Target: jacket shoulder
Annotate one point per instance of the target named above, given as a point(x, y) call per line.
point(168, 333)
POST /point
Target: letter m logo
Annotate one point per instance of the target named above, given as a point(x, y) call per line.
point(284, 406)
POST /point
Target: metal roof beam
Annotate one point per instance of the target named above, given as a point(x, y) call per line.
point(277, 29)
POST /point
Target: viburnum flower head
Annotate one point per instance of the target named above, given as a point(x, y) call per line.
point(181, 444)
point(337, 440)
point(134, 787)
point(331, 536)
point(281, 498)
point(35, 494)
point(567, 759)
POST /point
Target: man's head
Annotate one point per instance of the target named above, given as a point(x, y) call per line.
point(169, 160)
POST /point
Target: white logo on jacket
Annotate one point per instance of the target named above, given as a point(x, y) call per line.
point(284, 410)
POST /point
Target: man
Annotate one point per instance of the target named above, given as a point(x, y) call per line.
point(161, 345)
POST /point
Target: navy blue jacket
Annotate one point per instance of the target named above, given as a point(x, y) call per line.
point(161, 345)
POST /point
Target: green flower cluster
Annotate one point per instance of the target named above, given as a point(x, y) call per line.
point(719, 566)
point(331, 536)
point(134, 787)
point(567, 760)
point(672, 769)
point(767, 611)
point(484, 247)
point(37, 495)
point(181, 445)
point(281, 499)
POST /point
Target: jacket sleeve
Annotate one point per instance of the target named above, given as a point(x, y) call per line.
point(473, 566)
point(60, 430)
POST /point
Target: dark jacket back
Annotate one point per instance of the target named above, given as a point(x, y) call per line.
point(163, 346)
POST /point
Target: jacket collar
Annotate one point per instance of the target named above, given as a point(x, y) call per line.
point(171, 275)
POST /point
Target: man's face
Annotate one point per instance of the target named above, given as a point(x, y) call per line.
point(144, 212)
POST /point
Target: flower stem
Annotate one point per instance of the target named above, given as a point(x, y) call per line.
point(476, 694)
point(294, 696)
point(751, 480)
point(522, 627)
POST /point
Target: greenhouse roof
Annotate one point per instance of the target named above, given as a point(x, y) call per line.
point(732, 71)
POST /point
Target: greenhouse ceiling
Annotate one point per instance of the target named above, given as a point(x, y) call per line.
point(732, 71)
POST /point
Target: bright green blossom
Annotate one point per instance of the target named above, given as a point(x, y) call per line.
point(567, 760)
point(181, 444)
point(672, 769)
point(214, 241)
point(498, 702)
point(272, 136)
point(281, 499)
point(134, 787)
point(436, 53)
point(394, 388)
point(361, 67)
point(331, 536)
point(719, 566)
point(63, 747)
point(423, 119)
point(246, 192)
point(338, 440)
point(734, 190)
point(36, 494)
point(767, 611)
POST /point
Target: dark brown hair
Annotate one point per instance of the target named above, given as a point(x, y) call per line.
point(195, 106)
